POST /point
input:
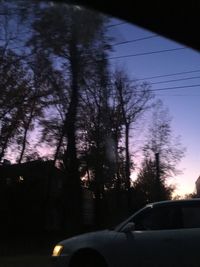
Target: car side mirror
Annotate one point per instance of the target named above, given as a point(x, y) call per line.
point(129, 227)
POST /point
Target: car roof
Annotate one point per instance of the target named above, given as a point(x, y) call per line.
point(174, 202)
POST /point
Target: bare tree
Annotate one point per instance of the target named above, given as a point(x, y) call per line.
point(160, 139)
point(133, 101)
point(13, 94)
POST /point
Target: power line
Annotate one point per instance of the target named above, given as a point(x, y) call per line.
point(176, 95)
point(148, 53)
point(115, 44)
point(136, 40)
point(166, 75)
point(175, 87)
point(115, 25)
point(177, 80)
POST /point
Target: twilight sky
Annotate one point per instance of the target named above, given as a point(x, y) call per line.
point(183, 102)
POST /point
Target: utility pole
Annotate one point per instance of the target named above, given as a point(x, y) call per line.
point(158, 193)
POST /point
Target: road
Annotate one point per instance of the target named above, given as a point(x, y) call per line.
point(26, 261)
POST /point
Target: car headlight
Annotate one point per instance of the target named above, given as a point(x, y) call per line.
point(57, 250)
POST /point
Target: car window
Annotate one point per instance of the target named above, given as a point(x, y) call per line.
point(162, 218)
point(191, 217)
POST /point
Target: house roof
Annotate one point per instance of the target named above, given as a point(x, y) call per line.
point(31, 168)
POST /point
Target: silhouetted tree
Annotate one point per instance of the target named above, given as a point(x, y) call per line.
point(160, 140)
point(14, 87)
point(69, 34)
point(133, 101)
point(95, 146)
point(145, 186)
point(162, 148)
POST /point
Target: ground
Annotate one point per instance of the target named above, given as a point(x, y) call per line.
point(26, 261)
point(27, 249)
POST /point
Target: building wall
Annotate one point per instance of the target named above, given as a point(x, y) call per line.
point(198, 186)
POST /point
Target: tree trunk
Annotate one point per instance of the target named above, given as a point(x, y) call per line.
point(127, 167)
point(72, 190)
point(25, 136)
point(23, 145)
point(158, 182)
point(4, 147)
point(127, 164)
point(118, 210)
point(3, 151)
point(58, 147)
point(99, 186)
point(127, 154)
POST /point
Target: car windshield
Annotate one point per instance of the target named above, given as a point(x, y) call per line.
point(98, 117)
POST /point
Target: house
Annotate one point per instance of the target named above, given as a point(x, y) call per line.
point(197, 183)
point(30, 195)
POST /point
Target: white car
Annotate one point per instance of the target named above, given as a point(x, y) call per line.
point(164, 233)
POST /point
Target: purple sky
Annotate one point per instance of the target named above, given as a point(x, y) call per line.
point(183, 104)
